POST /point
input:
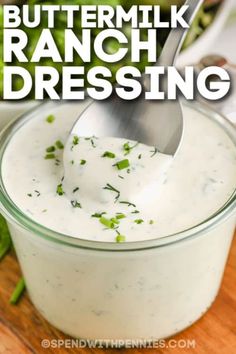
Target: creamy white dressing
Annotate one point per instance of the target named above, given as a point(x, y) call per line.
point(109, 172)
point(154, 201)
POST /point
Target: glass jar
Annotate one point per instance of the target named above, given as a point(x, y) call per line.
point(132, 291)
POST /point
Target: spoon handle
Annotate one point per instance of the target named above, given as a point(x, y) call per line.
point(176, 37)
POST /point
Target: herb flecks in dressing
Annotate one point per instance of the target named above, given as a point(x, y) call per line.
point(137, 202)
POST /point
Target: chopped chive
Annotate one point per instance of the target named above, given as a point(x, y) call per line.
point(91, 140)
point(5, 238)
point(107, 222)
point(91, 137)
point(75, 190)
point(37, 193)
point(154, 152)
point(127, 148)
point(18, 292)
point(120, 238)
point(109, 187)
point(151, 222)
point(139, 156)
point(92, 143)
point(29, 195)
point(109, 154)
point(50, 149)
point(122, 164)
point(59, 145)
point(139, 221)
point(115, 221)
point(75, 204)
point(60, 190)
point(72, 162)
point(75, 140)
point(49, 156)
point(121, 177)
point(128, 203)
point(50, 118)
point(83, 162)
point(135, 212)
point(98, 215)
point(120, 216)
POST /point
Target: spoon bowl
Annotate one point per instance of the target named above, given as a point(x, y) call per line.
point(154, 123)
point(125, 119)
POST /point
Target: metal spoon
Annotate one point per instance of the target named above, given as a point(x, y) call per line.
point(153, 123)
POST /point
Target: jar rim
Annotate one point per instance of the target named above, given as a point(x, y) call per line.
point(14, 215)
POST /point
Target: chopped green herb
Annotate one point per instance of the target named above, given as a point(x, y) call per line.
point(18, 292)
point(5, 238)
point(151, 222)
point(115, 221)
point(154, 152)
point(50, 156)
point(37, 193)
point(120, 238)
point(120, 216)
point(98, 215)
point(139, 221)
point(60, 190)
point(127, 148)
point(29, 195)
point(121, 177)
point(59, 145)
point(128, 203)
point(107, 222)
point(135, 212)
point(50, 118)
point(75, 204)
point(83, 162)
point(50, 149)
point(111, 188)
point(72, 162)
point(139, 156)
point(109, 154)
point(91, 140)
point(91, 137)
point(92, 143)
point(121, 165)
point(75, 140)
point(75, 190)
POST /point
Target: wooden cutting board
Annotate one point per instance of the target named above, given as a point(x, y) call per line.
point(22, 328)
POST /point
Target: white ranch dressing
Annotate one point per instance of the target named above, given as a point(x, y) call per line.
point(198, 183)
point(110, 171)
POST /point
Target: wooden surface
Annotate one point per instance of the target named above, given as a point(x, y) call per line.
point(22, 329)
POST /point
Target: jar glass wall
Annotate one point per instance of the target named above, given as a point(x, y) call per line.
point(136, 290)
